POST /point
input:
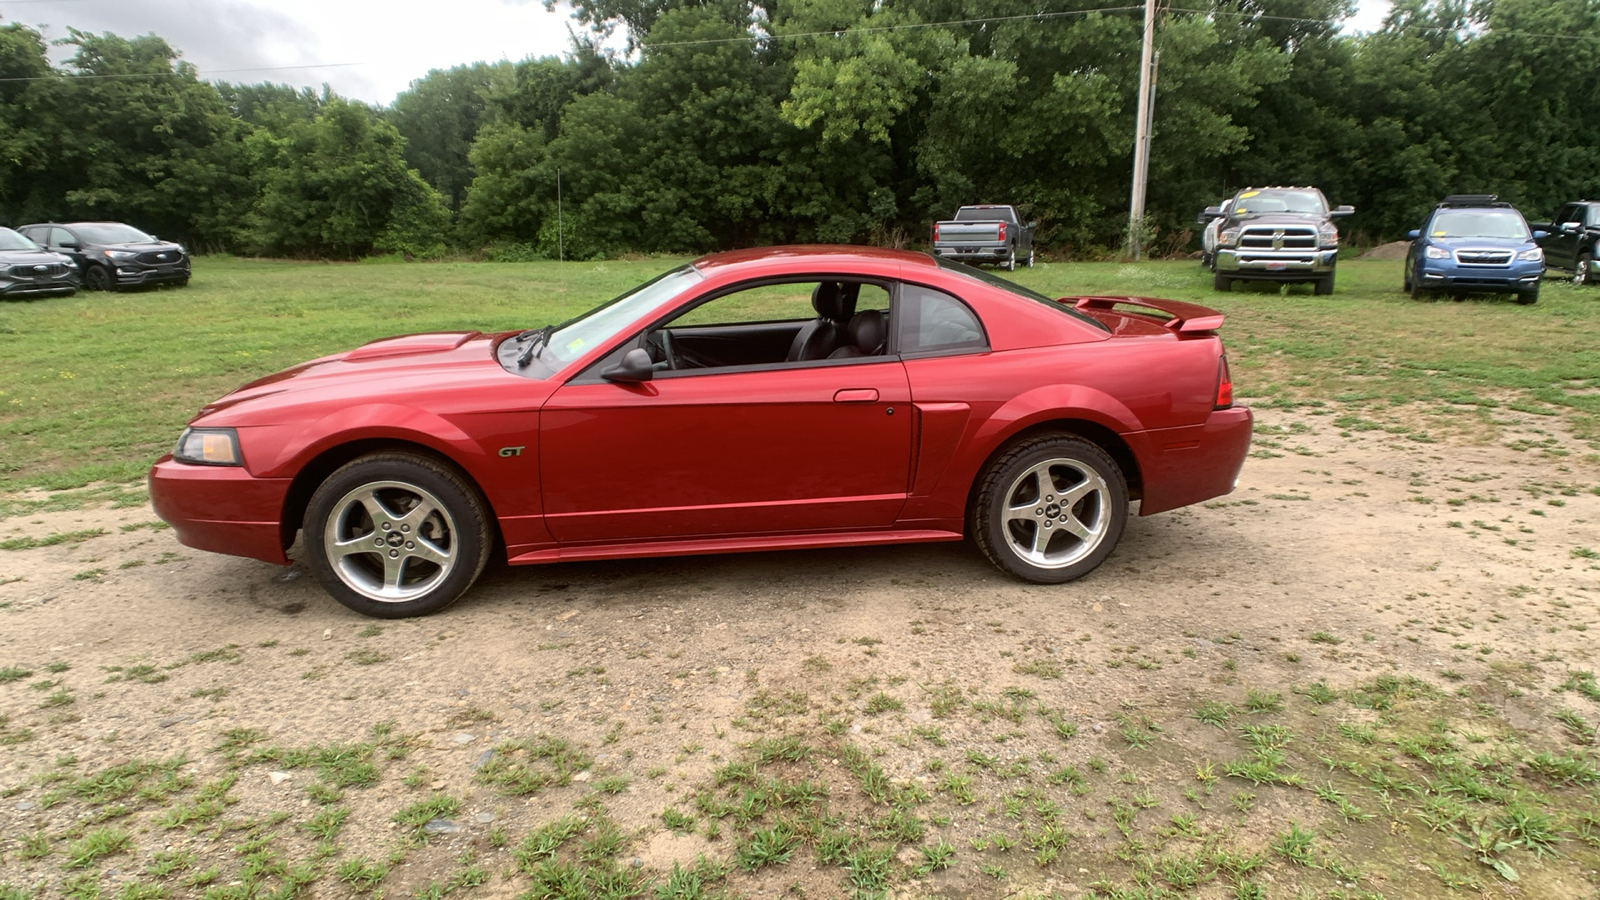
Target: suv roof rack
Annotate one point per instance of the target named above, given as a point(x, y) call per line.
point(1458, 200)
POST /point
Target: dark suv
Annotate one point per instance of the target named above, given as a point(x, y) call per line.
point(1569, 244)
point(1283, 234)
point(113, 255)
point(27, 271)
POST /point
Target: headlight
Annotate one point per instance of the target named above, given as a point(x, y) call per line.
point(208, 447)
point(1437, 253)
point(1533, 255)
point(1228, 237)
point(121, 254)
point(1328, 234)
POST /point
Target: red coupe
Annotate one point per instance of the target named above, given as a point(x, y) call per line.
point(756, 400)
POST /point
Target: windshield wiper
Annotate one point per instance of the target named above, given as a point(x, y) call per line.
point(537, 338)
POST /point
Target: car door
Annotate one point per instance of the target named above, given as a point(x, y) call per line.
point(63, 241)
point(773, 447)
point(1567, 230)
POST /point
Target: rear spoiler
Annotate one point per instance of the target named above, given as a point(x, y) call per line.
point(1185, 318)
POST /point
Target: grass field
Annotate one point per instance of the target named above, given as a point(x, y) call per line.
point(96, 386)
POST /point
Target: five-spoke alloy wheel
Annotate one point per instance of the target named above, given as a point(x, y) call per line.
point(1050, 509)
point(395, 535)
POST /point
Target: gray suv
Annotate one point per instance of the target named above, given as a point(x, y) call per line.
point(1282, 234)
point(112, 255)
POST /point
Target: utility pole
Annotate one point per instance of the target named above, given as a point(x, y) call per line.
point(1141, 140)
point(561, 237)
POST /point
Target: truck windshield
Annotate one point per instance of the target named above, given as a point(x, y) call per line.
point(1014, 288)
point(1268, 202)
point(1479, 224)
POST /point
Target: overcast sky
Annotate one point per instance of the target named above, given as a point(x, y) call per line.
point(365, 49)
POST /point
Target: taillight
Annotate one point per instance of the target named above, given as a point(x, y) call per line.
point(1224, 385)
point(1002, 231)
point(936, 231)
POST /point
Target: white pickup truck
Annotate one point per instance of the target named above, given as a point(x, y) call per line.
point(987, 233)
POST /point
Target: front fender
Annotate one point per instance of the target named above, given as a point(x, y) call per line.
point(285, 453)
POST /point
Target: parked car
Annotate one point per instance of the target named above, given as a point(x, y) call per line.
point(1474, 243)
point(1569, 240)
point(988, 233)
point(768, 399)
point(27, 270)
point(1210, 225)
point(112, 255)
point(1282, 234)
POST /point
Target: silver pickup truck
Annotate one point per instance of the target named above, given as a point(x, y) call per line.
point(987, 233)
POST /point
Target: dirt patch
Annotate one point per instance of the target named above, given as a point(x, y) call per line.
point(822, 722)
point(1394, 250)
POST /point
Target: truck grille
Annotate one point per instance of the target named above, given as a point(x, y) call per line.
point(1272, 237)
point(160, 257)
point(1483, 257)
point(41, 270)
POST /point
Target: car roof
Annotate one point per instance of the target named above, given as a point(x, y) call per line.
point(820, 254)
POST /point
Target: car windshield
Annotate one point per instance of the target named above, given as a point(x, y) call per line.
point(112, 233)
point(1014, 288)
point(10, 240)
point(575, 337)
point(1268, 202)
point(1477, 223)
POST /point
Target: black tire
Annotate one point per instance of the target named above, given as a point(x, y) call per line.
point(1323, 286)
point(1221, 282)
point(1528, 298)
point(98, 278)
point(1417, 291)
point(1003, 517)
point(421, 560)
point(1580, 270)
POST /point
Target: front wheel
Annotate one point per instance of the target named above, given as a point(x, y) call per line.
point(96, 278)
point(1221, 282)
point(1580, 271)
point(1323, 286)
point(1050, 509)
point(394, 535)
point(1528, 297)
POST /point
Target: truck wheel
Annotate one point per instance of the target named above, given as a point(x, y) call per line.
point(1030, 259)
point(1011, 263)
point(1221, 282)
point(1580, 272)
point(1323, 286)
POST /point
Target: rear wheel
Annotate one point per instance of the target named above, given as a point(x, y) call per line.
point(1221, 282)
point(1050, 509)
point(394, 535)
point(1580, 271)
point(1011, 262)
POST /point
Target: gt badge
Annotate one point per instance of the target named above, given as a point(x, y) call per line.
point(512, 451)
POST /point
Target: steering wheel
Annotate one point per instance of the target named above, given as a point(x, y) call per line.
point(659, 345)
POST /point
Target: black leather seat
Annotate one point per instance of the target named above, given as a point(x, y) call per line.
point(867, 333)
point(826, 333)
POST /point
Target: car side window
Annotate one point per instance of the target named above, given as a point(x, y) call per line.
point(1591, 215)
point(59, 236)
point(933, 322)
point(775, 324)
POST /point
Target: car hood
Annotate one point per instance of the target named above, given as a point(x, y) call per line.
point(385, 368)
point(30, 258)
point(1462, 243)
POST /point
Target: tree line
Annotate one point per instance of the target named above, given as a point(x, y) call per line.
point(724, 123)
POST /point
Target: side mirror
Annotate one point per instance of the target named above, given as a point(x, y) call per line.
point(1340, 212)
point(1210, 212)
point(1540, 235)
point(634, 368)
point(1414, 234)
point(1571, 226)
point(70, 245)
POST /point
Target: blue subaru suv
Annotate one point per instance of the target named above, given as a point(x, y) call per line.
point(1475, 244)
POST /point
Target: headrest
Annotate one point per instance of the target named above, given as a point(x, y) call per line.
point(867, 330)
point(827, 298)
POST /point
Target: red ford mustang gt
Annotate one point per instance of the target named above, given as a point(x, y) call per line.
point(755, 400)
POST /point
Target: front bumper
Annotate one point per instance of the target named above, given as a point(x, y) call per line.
point(132, 276)
point(1515, 278)
point(57, 288)
point(223, 509)
point(1275, 265)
